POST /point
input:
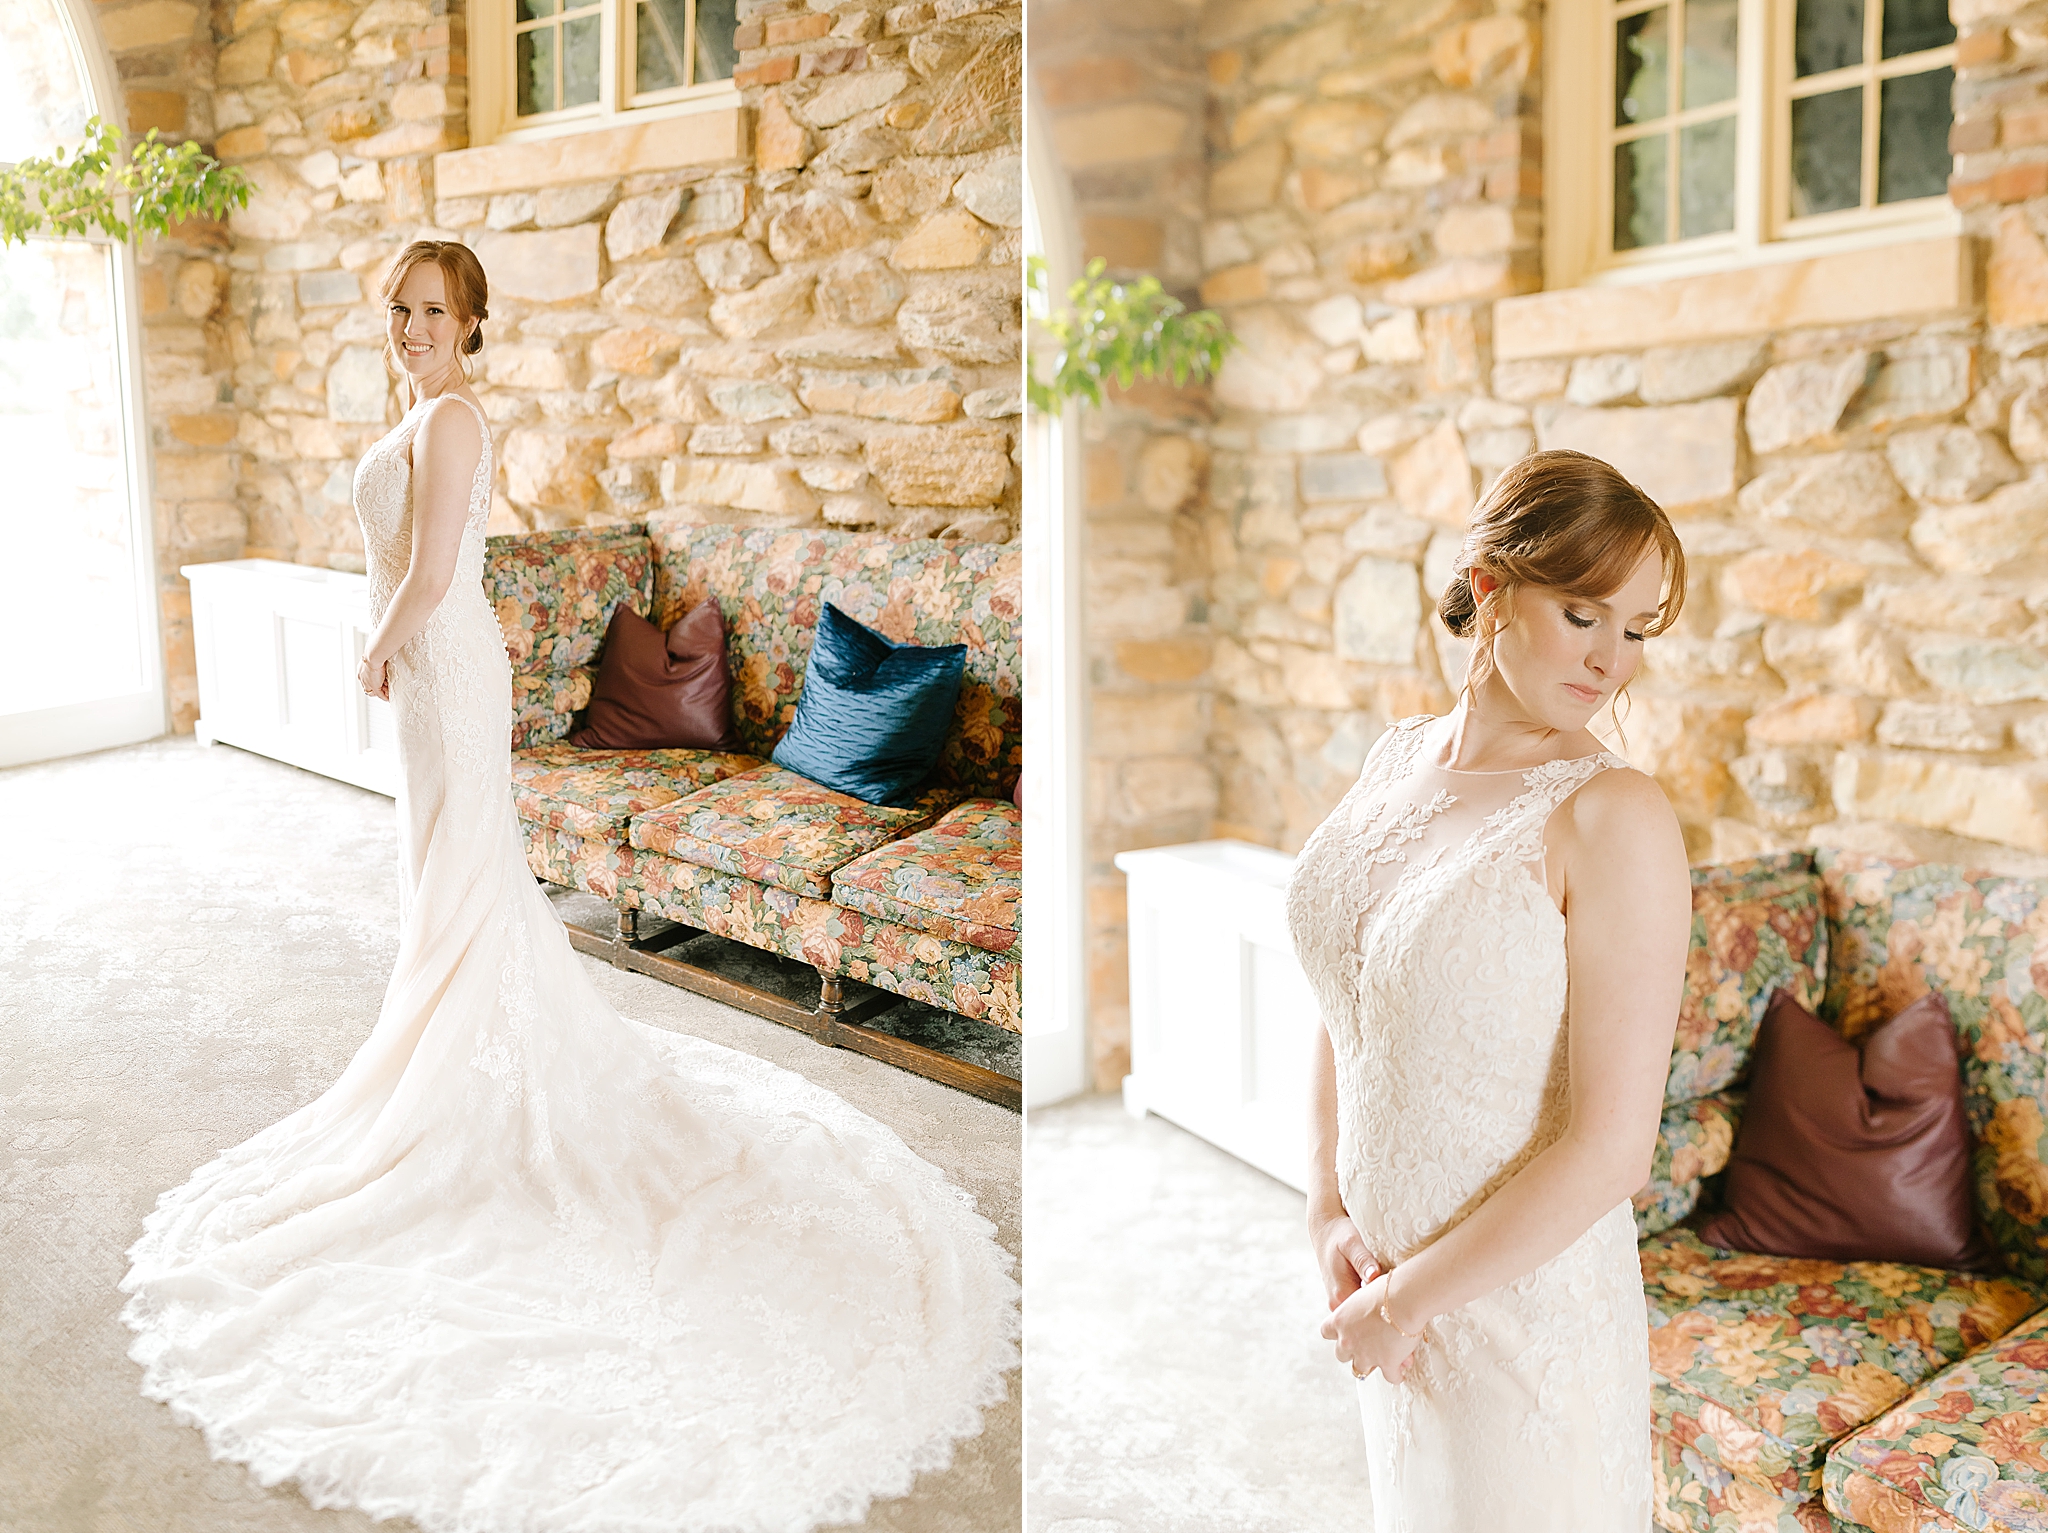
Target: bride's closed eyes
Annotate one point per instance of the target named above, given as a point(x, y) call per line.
point(1586, 622)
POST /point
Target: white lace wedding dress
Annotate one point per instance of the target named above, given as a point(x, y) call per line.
point(529, 1266)
point(1438, 960)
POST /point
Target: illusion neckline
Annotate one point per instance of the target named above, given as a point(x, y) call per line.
point(1514, 771)
point(1499, 771)
point(451, 394)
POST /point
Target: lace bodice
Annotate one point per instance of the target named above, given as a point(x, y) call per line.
point(451, 682)
point(383, 500)
point(1437, 957)
point(1427, 882)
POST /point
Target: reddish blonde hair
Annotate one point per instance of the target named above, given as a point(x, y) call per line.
point(468, 292)
point(1564, 520)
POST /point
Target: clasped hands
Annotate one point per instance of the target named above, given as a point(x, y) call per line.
point(375, 680)
point(1356, 1287)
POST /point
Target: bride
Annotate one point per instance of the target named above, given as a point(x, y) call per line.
point(527, 1265)
point(1494, 921)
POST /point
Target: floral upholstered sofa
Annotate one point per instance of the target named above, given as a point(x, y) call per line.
point(1794, 1394)
point(921, 901)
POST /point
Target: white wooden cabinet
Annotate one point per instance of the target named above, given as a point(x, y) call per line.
point(1221, 1014)
point(278, 646)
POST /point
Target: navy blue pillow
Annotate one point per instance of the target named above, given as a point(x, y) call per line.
point(873, 713)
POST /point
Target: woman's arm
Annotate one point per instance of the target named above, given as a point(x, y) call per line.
point(444, 457)
point(1628, 915)
point(1341, 1254)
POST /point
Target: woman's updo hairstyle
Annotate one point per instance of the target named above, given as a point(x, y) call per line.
point(468, 292)
point(1564, 520)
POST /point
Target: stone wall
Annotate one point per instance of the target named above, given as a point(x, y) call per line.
point(1858, 465)
point(801, 312)
point(1123, 93)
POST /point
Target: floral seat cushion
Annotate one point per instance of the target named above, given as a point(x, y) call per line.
point(772, 582)
point(594, 793)
point(1759, 1363)
point(554, 594)
point(1899, 930)
point(961, 879)
point(1968, 1449)
point(1756, 928)
point(775, 827)
point(1739, 1506)
point(1693, 1141)
point(545, 704)
point(913, 964)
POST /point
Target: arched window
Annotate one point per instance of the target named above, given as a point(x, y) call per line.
point(78, 612)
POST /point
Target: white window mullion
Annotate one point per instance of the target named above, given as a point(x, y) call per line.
point(614, 55)
point(1873, 42)
point(1674, 136)
point(1603, 116)
point(1753, 124)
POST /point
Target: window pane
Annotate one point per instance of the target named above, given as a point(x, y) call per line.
point(1910, 25)
point(1639, 193)
point(1827, 152)
point(533, 10)
point(65, 518)
point(716, 22)
point(579, 61)
point(1912, 136)
point(1642, 67)
point(1709, 51)
point(658, 45)
point(1706, 178)
point(42, 93)
point(1827, 34)
point(534, 68)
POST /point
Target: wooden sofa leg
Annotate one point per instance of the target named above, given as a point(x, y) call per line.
point(629, 927)
point(831, 1003)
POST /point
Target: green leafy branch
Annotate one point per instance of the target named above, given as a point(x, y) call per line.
point(1111, 330)
point(162, 184)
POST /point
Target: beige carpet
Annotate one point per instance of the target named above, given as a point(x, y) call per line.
point(192, 943)
point(1176, 1383)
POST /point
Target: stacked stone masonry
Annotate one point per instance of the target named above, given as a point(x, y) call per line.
point(1863, 658)
point(1125, 101)
point(817, 325)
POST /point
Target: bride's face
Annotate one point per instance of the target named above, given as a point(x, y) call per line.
point(425, 335)
point(1563, 657)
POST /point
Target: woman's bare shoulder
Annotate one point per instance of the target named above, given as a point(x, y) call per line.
point(1622, 811)
point(450, 432)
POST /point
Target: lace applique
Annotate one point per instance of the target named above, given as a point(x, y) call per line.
point(1446, 1013)
point(1372, 834)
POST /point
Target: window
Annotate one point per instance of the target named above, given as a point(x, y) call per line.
point(76, 522)
point(553, 66)
point(1689, 135)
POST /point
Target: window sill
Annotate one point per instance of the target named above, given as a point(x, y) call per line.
point(699, 137)
point(1888, 281)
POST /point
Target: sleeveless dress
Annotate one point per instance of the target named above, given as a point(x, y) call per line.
point(1437, 958)
point(529, 1266)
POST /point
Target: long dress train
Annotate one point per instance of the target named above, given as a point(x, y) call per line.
point(529, 1266)
point(1438, 960)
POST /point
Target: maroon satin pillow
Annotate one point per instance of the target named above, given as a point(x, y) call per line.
point(1854, 1153)
point(661, 692)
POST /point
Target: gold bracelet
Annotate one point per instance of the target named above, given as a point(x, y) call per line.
point(1390, 1320)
